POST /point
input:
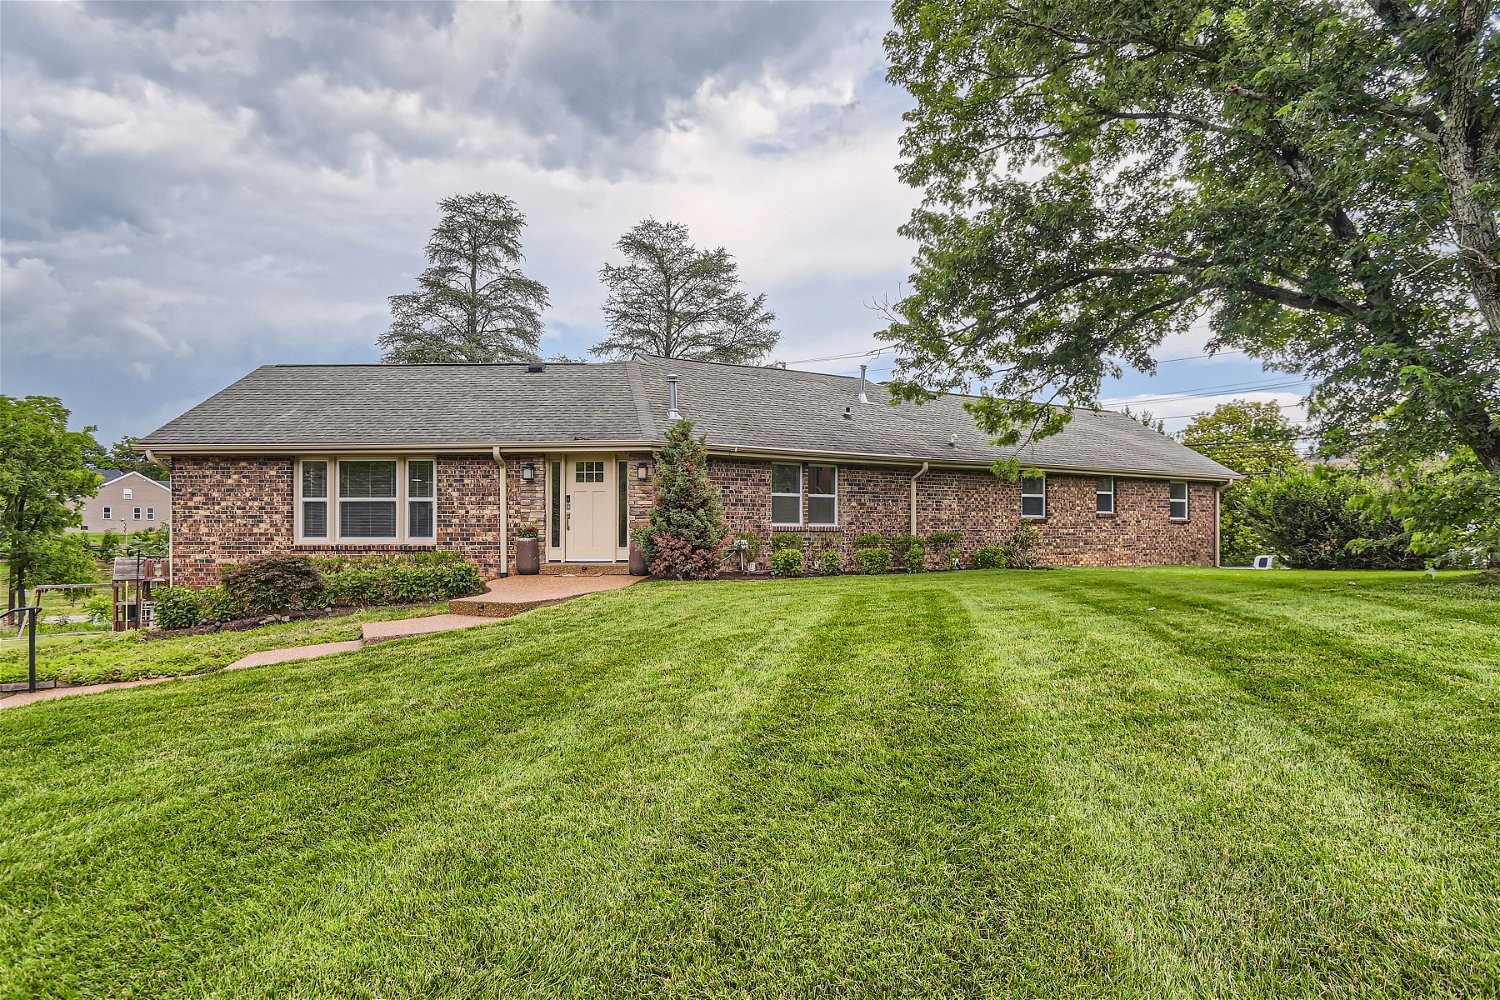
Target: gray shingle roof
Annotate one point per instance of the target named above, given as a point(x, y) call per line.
point(736, 406)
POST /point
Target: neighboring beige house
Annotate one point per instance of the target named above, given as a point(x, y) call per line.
point(127, 503)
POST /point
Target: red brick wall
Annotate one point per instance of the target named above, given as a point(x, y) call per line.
point(229, 509)
point(987, 509)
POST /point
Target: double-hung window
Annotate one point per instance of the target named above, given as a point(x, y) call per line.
point(314, 503)
point(822, 494)
point(421, 499)
point(136, 516)
point(150, 513)
point(1104, 495)
point(1034, 496)
point(1178, 503)
point(786, 494)
point(128, 493)
point(107, 514)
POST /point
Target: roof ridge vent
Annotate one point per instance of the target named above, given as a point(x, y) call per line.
point(536, 367)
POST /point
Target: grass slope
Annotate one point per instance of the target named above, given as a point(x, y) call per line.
point(126, 656)
point(1074, 783)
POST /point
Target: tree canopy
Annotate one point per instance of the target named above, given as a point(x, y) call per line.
point(1256, 440)
point(472, 303)
point(672, 299)
point(42, 477)
point(1316, 178)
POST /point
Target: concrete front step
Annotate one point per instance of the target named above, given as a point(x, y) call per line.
point(585, 569)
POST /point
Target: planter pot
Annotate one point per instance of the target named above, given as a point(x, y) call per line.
point(637, 560)
point(528, 556)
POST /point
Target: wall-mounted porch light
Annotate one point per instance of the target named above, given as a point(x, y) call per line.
point(643, 472)
point(528, 472)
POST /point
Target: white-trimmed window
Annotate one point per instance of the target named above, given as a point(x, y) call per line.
point(137, 515)
point(108, 514)
point(1178, 503)
point(822, 494)
point(786, 494)
point(128, 493)
point(1104, 495)
point(366, 499)
point(1034, 496)
point(312, 486)
point(150, 513)
point(421, 498)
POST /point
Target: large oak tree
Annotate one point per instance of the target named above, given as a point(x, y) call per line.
point(1317, 178)
point(472, 303)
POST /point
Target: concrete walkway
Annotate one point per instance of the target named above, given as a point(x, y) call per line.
point(502, 599)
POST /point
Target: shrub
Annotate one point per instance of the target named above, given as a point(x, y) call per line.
point(869, 542)
point(873, 562)
point(831, 562)
point(1313, 519)
point(942, 545)
point(100, 606)
point(989, 557)
point(218, 605)
point(177, 607)
point(1020, 547)
point(274, 585)
point(405, 578)
point(687, 529)
point(915, 557)
point(783, 540)
point(787, 562)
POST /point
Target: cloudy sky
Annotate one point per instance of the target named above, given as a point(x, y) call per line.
point(189, 191)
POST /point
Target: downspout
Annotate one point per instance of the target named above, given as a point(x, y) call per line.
point(504, 514)
point(171, 532)
point(920, 473)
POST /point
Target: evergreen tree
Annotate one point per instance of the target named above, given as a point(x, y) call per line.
point(686, 532)
point(472, 304)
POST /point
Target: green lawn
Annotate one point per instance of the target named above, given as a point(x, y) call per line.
point(126, 656)
point(1168, 783)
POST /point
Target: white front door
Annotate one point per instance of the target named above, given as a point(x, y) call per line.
point(589, 510)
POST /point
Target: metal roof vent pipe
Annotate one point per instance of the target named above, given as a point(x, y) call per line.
point(672, 413)
point(862, 397)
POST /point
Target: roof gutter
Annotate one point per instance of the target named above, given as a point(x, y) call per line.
point(504, 513)
point(854, 458)
point(920, 473)
point(155, 461)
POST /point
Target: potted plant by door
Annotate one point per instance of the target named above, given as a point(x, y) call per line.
point(638, 542)
point(528, 549)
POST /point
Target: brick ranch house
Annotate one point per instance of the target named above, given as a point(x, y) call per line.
point(379, 458)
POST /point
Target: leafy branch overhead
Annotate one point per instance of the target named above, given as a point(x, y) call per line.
point(472, 303)
point(1317, 178)
point(671, 299)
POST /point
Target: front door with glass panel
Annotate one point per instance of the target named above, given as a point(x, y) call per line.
point(588, 508)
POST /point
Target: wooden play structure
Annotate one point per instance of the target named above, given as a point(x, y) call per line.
point(133, 580)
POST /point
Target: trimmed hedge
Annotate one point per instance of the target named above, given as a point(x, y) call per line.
point(403, 578)
point(831, 562)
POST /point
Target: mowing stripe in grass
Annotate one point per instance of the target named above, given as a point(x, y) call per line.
point(1346, 871)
